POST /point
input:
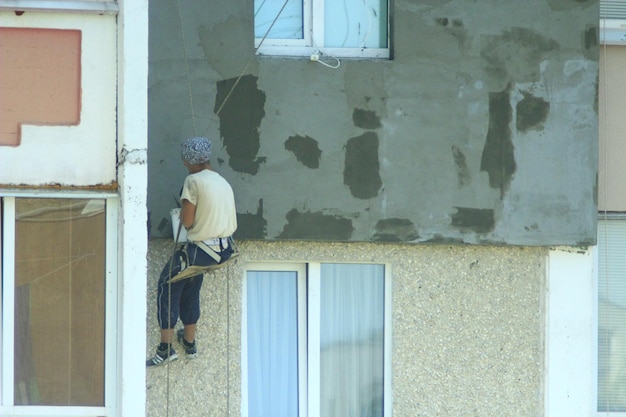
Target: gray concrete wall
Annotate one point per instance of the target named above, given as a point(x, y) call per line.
point(481, 129)
point(468, 329)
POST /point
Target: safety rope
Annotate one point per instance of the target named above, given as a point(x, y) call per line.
point(245, 68)
point(169, 316)
point(182, 37)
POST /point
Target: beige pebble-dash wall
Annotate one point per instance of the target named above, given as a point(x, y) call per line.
point(467, 329)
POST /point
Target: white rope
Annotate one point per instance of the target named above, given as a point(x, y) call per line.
point(245, 68)
point(182, 37)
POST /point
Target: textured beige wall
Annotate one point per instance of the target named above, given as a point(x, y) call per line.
point(467, 329)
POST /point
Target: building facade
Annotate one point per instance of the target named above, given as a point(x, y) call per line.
point(417, 194)
point(417, 183)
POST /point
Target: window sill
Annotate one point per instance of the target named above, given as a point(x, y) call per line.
point(311, 53)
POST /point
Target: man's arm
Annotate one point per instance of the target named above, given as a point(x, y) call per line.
point(188, 214)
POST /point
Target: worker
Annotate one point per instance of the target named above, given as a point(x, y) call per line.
point(209, 215)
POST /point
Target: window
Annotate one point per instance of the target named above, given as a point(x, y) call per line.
point(58, 305)
point(316, 340)
point(347, 28)
point(612, 314)
point(611, 288)
point(613, 22)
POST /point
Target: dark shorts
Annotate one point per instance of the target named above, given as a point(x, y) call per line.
point(182, 298)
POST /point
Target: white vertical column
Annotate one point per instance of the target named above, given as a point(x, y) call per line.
point(313, 367)
point(133, 183)
point(570, 333)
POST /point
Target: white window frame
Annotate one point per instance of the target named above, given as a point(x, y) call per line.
point(82, 6)
point(7, 229)
point(312, 44)
point(308, 278)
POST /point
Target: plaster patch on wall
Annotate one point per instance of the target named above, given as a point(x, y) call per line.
point(361, 171)
point(515, 55)
point(364, 86)
point(463, 174)
point(306, 150)
point(366, 119)
point(240, 118)
point(164, 226)
point(316, 226)
point(473, 219)
point(251, 225)
point(444, 21)
point(570, 4)
point(454, 28)
point(440, 239)
point(498, 158)
point(531, 112)
point(220, 40)
point(395, 230)
point(591, 42)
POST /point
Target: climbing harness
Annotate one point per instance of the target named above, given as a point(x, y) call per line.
point(188, 270)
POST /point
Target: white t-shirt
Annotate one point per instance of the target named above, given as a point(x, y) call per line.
point(216, 215)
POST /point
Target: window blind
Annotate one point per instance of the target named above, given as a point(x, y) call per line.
point(612, 9)
point(612, 315)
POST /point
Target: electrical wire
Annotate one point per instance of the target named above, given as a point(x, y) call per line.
point(327, 64)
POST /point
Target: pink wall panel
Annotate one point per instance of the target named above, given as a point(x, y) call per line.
point(40, 81)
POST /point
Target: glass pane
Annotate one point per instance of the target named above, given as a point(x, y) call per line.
point(59, 302)
point(285, 24)
point(272, 343)
point(351, 340)
point(355, 23)
point(612, 315)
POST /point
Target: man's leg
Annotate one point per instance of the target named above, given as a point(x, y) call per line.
point(189, 314)
point(167, 336)
point(189, 332)
point(168, 296)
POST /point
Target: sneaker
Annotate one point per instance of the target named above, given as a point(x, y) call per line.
point(161, 357)
point(190, 348)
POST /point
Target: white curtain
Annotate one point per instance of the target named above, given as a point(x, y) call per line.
point(272, 344)
point(351, 340)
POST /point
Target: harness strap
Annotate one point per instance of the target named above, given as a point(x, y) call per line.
point(207, 249)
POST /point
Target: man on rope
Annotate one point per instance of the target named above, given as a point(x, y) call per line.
point(209, 215)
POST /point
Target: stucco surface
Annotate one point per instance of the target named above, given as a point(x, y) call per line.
point(481, 129)
point(467, 336)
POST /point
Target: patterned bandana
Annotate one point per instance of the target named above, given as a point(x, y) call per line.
point(196, 150)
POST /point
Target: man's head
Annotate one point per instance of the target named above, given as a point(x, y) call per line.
point(196, 150)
